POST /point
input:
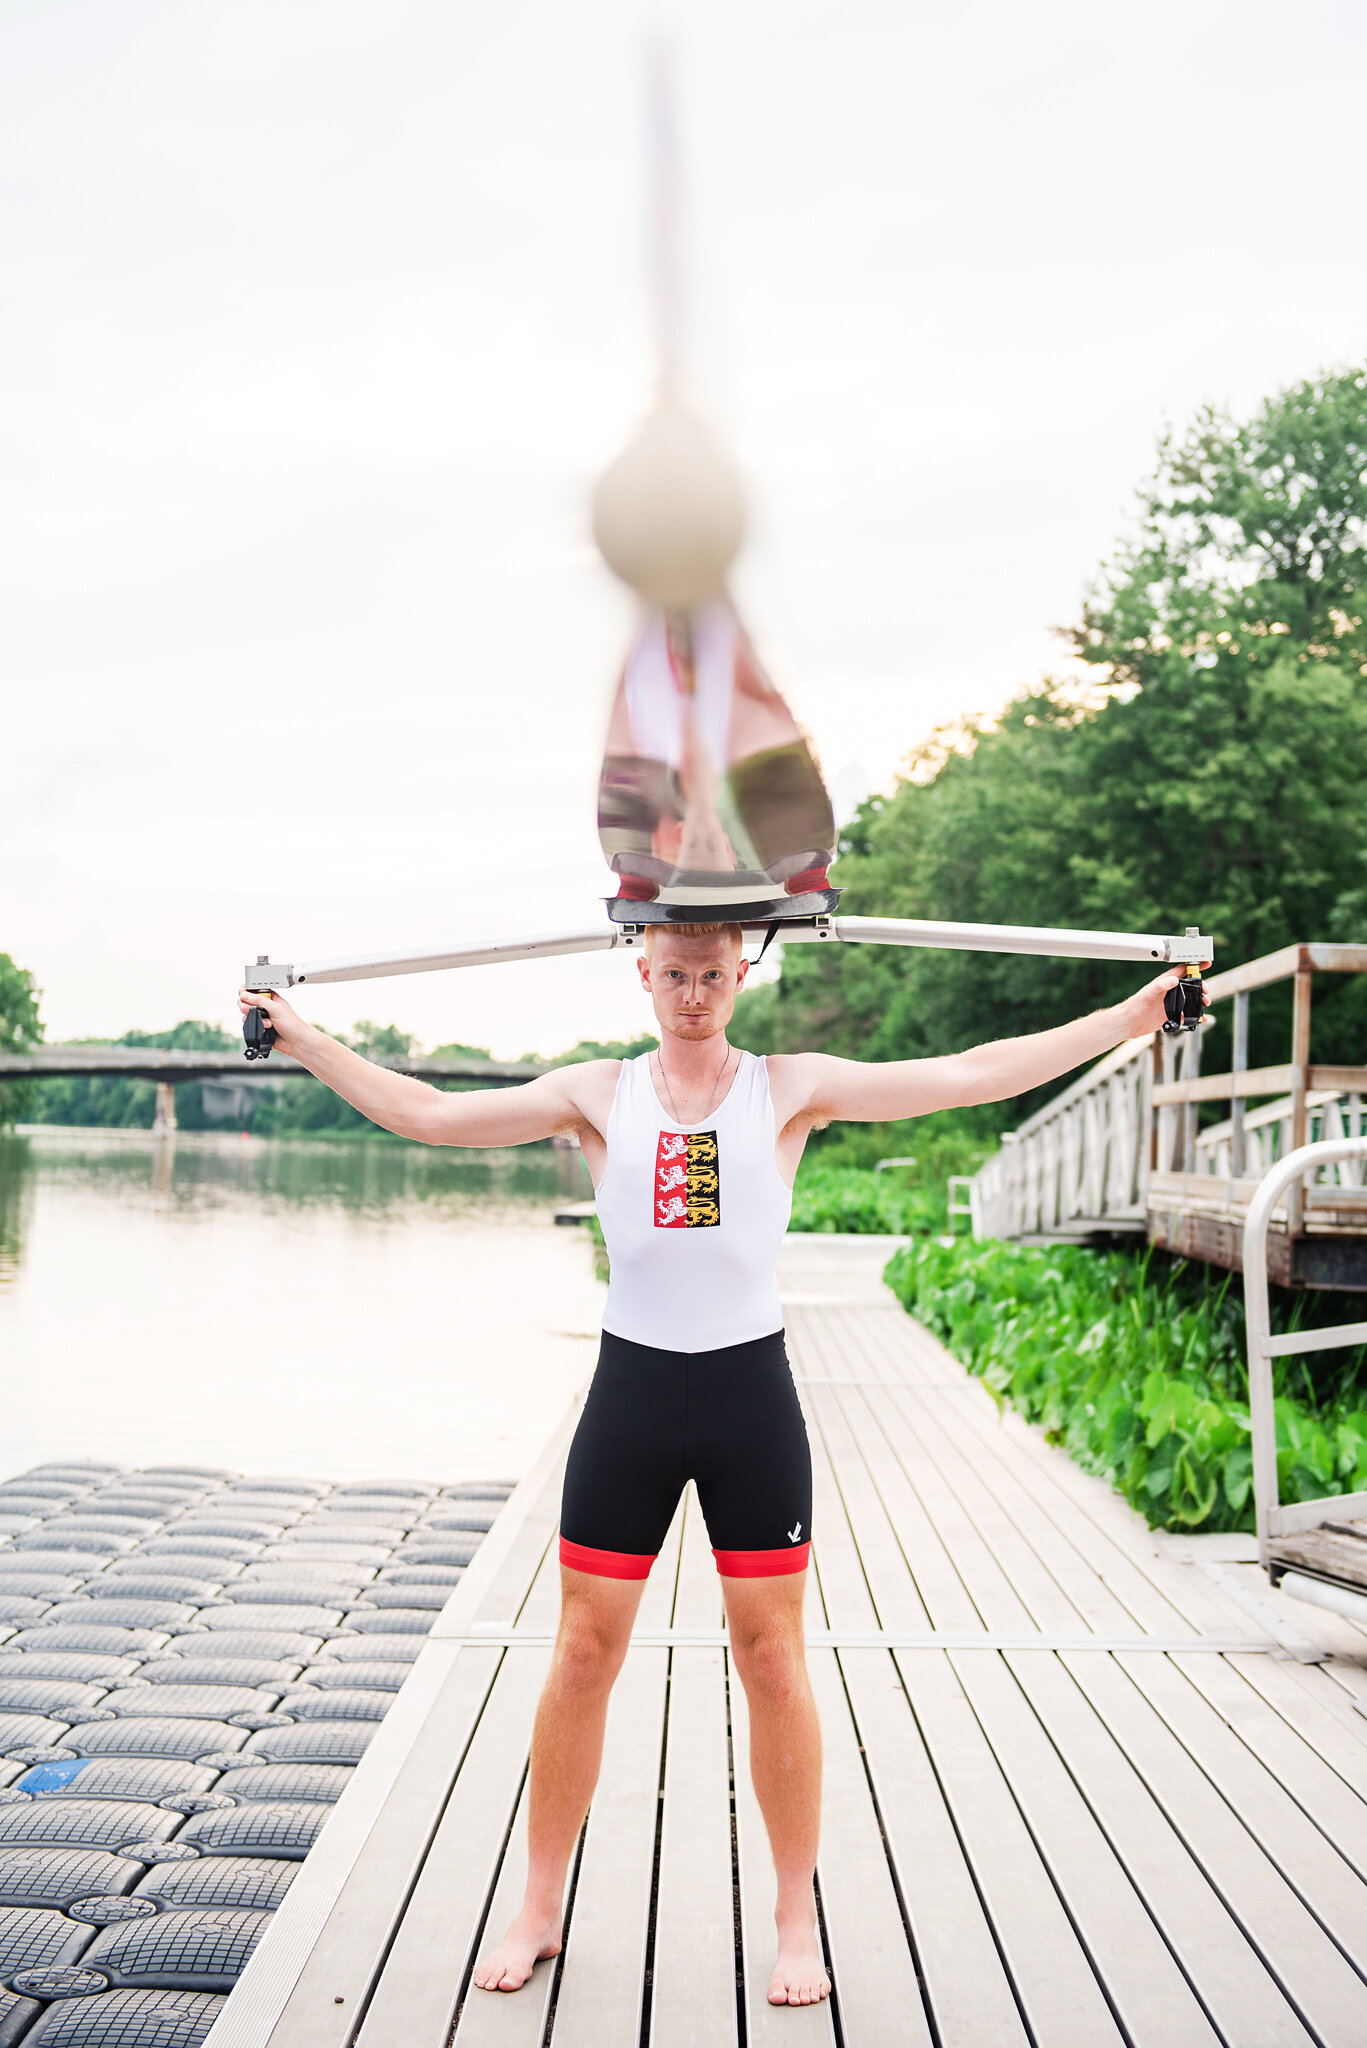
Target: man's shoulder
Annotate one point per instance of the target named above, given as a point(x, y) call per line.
point(794, 1063)
point(792, 1077)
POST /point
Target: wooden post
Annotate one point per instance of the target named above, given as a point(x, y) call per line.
point(1300, 1061)
point(164, 1121)
point(1239, 1065)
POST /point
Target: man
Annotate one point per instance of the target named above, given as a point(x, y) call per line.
point(693, 1150)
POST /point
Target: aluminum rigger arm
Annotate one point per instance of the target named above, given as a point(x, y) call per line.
point(1184, 1002)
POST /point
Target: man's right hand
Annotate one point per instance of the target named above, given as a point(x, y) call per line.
point(291, 1032)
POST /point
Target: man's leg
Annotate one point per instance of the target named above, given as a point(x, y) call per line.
point(567, 1748)
point(765, 1621)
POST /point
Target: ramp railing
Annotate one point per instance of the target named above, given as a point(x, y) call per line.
point(1121, 1149)
point(1283, 1529)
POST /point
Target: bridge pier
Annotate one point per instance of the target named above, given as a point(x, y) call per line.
point(164, 1122)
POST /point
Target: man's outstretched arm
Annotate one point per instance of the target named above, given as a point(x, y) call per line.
point(863, 1092)
point(414, 1109)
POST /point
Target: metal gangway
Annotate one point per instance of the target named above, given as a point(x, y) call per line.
point(1315, 1549)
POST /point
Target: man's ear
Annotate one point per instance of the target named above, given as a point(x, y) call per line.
point(742, 969)
point(643, 968)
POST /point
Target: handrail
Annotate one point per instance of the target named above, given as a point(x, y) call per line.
point(1109, 1063)
point(1274, 1520)
point(1118, 1145)
point(1314, 957)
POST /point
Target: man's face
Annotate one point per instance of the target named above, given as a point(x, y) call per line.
point(692, 983)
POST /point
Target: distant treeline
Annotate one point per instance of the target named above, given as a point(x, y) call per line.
point(271, 1106)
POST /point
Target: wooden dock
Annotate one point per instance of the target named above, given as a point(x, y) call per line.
point(1083, 1785)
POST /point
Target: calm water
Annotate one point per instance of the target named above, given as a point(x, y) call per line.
point(345, 1309)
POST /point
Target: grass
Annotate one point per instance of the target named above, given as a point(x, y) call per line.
point(1136, 1364)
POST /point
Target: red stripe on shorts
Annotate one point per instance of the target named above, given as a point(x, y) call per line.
point(762, 1564)
point(606, 1564)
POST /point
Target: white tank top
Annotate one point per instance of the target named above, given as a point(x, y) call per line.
point(693, 1217)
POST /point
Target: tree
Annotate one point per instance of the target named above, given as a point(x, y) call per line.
point(1208, 768)
point(21, 1028)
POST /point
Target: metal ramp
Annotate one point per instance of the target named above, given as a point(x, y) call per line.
point(1316, 1550)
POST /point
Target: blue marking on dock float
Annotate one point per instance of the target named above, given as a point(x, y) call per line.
point(52, 1777)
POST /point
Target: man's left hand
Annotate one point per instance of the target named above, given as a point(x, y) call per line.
point(1144, 1012)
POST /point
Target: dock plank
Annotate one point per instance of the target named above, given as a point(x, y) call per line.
point(881, 1557)
point(1318, 1713)
point(693, 1986)
point(1153, 2000)
point(598, 2004)
point(1226, 1968)
point(1337, 1808)
point(871, 1961)
point(693, 1982)
point(966, 1985)
point(426, 1967)
point(809, 2026)
point(1049, 1970)
point(1316, 1976)
point(502, 2019)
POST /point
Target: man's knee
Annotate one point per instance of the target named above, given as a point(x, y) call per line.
point(588, 1652)
point(770, 1658)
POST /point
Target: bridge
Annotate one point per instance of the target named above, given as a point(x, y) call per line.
point(1121, 1151)
point(234, 1082)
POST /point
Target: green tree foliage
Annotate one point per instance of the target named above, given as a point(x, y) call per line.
point(603, 1049)
point(20, 1028)
point(1206, 765)
point(298, 1107)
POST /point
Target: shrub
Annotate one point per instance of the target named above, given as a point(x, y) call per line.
point(1137, 1365)
point(840, 1198)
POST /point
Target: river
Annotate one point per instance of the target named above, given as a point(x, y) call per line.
point(341, 1309)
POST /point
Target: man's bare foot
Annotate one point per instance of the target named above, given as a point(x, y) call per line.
point(799, 1974)
point(529, 1941)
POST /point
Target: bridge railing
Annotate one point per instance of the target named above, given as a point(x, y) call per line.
point(1120, 1149)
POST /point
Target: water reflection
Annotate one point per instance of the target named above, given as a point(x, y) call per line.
point(292, 1304)
point(16, 1202)
point(204, 1171)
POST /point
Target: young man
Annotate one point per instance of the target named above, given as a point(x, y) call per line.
point(693, 1150)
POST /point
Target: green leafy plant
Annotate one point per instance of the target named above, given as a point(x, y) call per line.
point(852, 1198)
point(1136, 1364)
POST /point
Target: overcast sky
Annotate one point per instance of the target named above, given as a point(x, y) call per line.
point(317, 321)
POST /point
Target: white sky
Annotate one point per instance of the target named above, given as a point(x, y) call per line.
point(317, 321)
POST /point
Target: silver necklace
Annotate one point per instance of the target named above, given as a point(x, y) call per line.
point(669, 1092)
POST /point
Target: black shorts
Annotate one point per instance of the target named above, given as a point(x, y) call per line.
point(729, 1420)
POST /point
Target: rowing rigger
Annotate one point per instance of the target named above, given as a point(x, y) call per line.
point(1189, 951)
